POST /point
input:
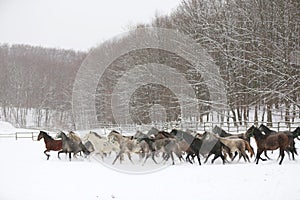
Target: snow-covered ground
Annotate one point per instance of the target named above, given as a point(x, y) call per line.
point(27, 175)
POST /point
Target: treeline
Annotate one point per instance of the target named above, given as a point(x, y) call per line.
point(255, 43)
point(36, 84)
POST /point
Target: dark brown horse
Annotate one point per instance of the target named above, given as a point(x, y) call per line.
point(51, 144)
point(291, 135)
point(269, 142)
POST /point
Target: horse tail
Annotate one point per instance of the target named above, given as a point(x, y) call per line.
point(249, 148)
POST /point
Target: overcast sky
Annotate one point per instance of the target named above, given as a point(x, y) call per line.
point(73, 24)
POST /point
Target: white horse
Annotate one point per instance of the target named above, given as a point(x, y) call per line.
point(128, 145)
point(101, 145)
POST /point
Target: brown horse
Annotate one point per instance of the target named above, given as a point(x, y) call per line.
point(51, 144)
point(269, 142)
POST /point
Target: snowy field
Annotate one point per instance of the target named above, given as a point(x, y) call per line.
point(27, 175)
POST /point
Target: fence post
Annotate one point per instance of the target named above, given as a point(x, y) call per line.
point(16, 136)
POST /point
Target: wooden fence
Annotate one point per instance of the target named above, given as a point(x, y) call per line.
point(20, 135)
point(199, 127)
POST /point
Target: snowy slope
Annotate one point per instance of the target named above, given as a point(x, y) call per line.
point(8, 128)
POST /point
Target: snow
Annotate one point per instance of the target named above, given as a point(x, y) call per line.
point(27, 175)
point(8, 128)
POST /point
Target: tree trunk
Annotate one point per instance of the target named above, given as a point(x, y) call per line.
point(269, 115)
point(256, 115)
point(234, 117)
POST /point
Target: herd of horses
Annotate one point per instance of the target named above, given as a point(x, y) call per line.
point(185, 145)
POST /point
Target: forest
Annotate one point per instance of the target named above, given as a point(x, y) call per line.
point(255, 43)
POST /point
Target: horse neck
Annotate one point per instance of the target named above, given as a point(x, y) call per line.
point(47, 137)
point(296, 131)
point(63, 136)
point(257, 134)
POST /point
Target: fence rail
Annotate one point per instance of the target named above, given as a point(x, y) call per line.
point(20, 135)
point(230, 127)
point(195, 126)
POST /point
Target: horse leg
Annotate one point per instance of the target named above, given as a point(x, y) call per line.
point(70, 155)
point(147, 156)
point(223, 159)
point(240, 156)
point(153, 157)
point(259, 152)
point(207, 157)
point(172, 157)
point(265, 152)
point(188, 158)
point(45, 152)
point(282, 155)
point(60, 153)
point(215, 157)
point(245, 156)
point(235, 155)
point(119, 154)
point(198, 158)
point(129, 157)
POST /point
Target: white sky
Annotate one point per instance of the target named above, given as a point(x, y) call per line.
point(73, 24)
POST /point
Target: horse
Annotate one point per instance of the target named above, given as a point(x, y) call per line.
point(74, 137)
point(71, 146)
point(50, 143)
point(127, 145)
point(293, 135)
point(167, 146)
point(237, 145)
point(139, 135)
point(268, 142)
point(266, 130)
point(152, 131)
point(213, 145)
point(219, 131)
point(101, 144)
point(193, 142)
point(296, 133)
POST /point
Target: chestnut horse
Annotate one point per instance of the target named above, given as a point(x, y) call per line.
point(269, 142)
point(51, 144)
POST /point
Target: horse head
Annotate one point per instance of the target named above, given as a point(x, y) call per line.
point(252, 131)
point(40, 136)
point(60, 135)
point(296, 132)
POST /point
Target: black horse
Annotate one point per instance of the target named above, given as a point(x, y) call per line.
point(213, 145)
point(194, 144)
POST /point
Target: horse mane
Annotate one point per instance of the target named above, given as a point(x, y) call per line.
point(297, 130)
point(96, 134)
point(47, 135)
point(219, 131)
point(263, 127)
point(164, 133)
